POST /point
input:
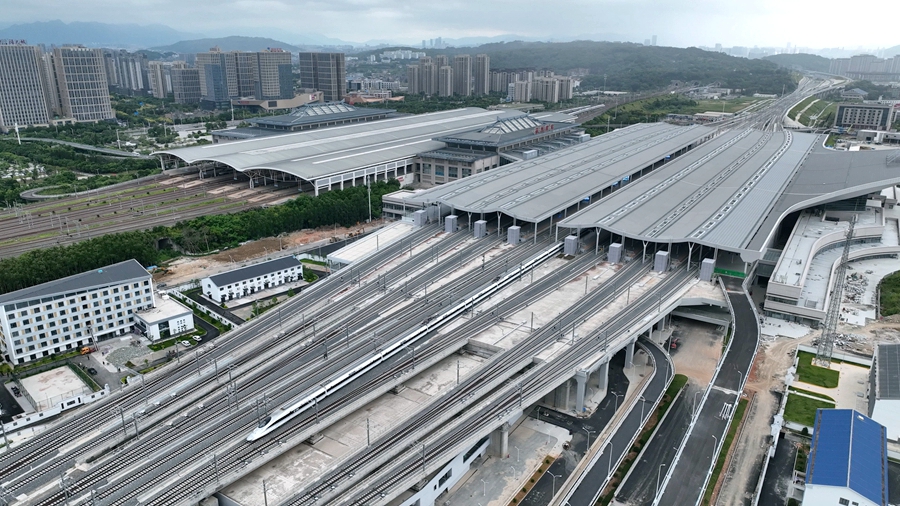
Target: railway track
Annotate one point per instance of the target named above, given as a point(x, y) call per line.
point(458, 432)
point(493, 266)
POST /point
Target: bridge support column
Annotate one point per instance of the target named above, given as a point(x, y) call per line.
point(629, 355)
point(602, 376)
point(581, 378)
point(500, 441)
point(561, 396)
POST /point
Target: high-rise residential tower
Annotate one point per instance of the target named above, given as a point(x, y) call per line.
point(83, 89)
point(482, 74)
point(325, 72)
point(22, 94)
point(445, 81)
point(462, 75)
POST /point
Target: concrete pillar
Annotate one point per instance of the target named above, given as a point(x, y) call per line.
point(561, 396)
point(581, 378)
point(602, 376)
point(500, 441)
point(629, 355)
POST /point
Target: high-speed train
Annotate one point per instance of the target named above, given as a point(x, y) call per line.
point(284, 414)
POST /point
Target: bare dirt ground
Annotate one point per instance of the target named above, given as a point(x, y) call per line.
point(185, 269)
point(765, 380)
point(699, 349)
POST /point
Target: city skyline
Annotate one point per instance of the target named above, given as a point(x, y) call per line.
point(765, 24)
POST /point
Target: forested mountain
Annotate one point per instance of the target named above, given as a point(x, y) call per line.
point(233, 43)
point(802, 61)
point(634, 67)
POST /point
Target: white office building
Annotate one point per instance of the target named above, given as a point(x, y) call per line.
point(62, 315)
point(251, 279)
point(167, 319)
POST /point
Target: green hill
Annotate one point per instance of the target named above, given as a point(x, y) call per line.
point(801, 61)
point(233, 43)
point(634, 67)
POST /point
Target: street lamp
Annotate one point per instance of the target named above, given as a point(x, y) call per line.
point(483, 488)
point(553, 489)
point(609, 465)
point(617, 400)
point(588, 438)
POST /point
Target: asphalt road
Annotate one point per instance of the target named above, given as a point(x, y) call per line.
point(642, 484)
point(778, 474)
point(596, 475)
point(686, 482)
point(562, 467)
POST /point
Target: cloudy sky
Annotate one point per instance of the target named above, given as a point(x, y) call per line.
point(676, 22)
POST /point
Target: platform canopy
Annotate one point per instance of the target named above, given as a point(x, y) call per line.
point(732, 192)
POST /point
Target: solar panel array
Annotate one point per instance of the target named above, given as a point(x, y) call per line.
point(888, 371)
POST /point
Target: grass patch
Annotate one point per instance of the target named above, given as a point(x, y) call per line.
point(677, 384)
point(812, 394)
point(723, 454)
point(799, 107)
point(802, 457)
point(802, 410)
point(161, 345)
point(815, 375)
point(314, 262)
point(890, 294)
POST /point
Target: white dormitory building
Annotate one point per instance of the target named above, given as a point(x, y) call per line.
point(63, 315)
point(251, 279)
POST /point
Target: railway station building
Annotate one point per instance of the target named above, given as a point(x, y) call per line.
point(354, 149)
point(772, 206)
point(66, 314)
point(251, 279)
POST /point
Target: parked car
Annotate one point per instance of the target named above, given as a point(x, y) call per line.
point(186, 344)
point(92, 371)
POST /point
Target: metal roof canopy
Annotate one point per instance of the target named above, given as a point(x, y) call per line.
point(732, 192)
point(534, 190)
point(315, 154)
point(849, 450)
point(111, 274)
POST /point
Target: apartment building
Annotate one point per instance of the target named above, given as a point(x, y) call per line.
point(22, 94)
point(72, 312)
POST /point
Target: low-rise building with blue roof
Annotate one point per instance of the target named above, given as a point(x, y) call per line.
point(847, 463)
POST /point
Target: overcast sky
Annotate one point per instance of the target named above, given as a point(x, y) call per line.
point(676, 22)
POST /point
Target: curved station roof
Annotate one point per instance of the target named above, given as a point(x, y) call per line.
point(534, 190)
point(319, 153)
point(733, 191)
point(728, 190)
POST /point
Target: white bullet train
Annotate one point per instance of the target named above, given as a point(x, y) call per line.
point(284, 414)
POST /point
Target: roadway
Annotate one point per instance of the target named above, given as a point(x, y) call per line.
point(88, 147)
point(684, 484)
point(643, 481)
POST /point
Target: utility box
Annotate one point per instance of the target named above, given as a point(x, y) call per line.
point(570, 247)
point(480, 229)
point(661, 262)
point(420, 218)
point(615, 253)
point(450, 224)
point(707, 269)
point(513, 235)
